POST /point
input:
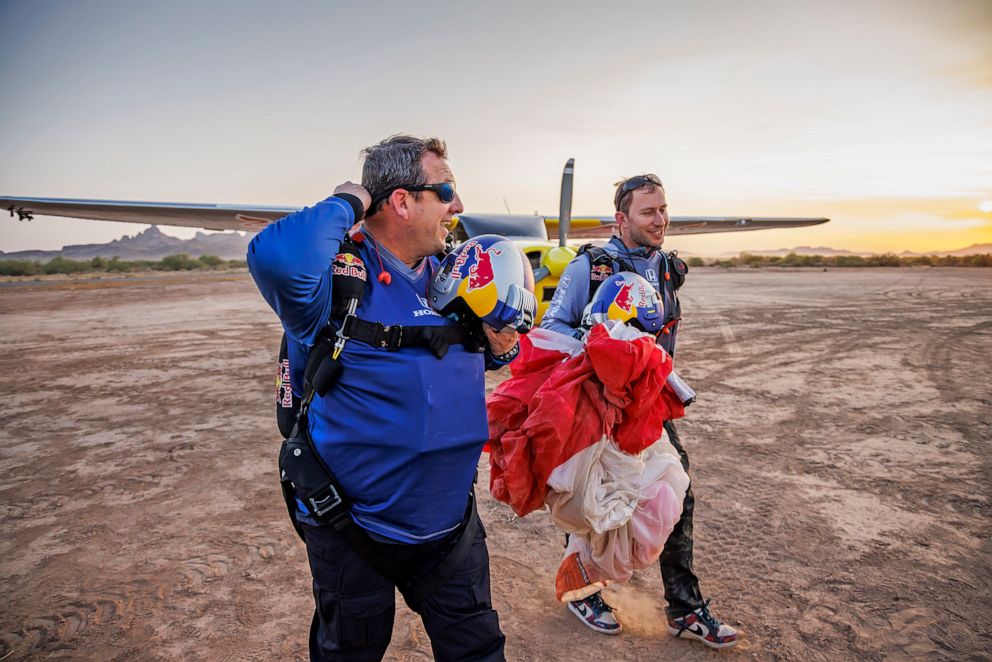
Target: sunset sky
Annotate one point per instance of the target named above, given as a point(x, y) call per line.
point(877, 115)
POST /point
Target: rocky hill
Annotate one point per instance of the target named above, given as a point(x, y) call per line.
point(152, 244)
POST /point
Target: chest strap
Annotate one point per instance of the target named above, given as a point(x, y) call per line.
point(395, 336)
point(324, 365)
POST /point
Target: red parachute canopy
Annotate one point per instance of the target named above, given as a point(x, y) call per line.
point(554, 406)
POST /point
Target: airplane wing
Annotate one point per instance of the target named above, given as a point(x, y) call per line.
point(254, 218)
point(206, 216)
point(601, 227)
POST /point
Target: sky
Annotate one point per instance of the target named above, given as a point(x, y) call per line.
point(877, 114)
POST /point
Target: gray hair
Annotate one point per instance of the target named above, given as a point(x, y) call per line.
point(396, 162)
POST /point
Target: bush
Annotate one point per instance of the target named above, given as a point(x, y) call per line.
point(211, 261)
point(695, 262)
point(181, 262)
point(60, 265)
point(19, 268)
point(848, 261)
point(751, 260)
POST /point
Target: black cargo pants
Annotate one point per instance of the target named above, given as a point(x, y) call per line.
point(681, 584)
point(355, 605)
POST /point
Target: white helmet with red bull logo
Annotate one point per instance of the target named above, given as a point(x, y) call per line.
point(629, 298)
point(487, 277)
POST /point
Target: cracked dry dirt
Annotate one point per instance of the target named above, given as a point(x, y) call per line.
point(840, 448)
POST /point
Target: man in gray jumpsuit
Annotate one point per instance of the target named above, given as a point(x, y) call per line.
point(642, 219)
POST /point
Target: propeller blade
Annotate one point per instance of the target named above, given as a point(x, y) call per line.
point(565, 210)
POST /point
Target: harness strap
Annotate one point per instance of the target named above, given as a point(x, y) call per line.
point(395, 336)
point(599, 257)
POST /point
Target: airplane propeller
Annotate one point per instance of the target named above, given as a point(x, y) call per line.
point(556, 259)
point(565, 206)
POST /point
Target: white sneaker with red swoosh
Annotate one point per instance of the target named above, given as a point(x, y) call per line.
point(596, 614)
point(702, 625)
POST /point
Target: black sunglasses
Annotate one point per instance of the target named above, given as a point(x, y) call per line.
point(633, 184)
point(445, 192)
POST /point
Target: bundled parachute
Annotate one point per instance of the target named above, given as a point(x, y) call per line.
point(579, 427)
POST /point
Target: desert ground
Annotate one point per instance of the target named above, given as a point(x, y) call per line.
point(840, 448)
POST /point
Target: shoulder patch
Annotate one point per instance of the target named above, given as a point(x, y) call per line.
point(600, 272)
point(348, 264)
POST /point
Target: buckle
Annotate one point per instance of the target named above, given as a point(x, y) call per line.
point(346, 324)
point(392, 336)
point(322, 506)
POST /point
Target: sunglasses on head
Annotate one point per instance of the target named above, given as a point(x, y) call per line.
point(639, 181)
point(633, 184)
point(445, 192)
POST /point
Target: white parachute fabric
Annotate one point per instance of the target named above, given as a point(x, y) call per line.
point(619, 508)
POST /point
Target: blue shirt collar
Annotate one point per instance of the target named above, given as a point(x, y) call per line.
point(640, 251)
point(394, 264)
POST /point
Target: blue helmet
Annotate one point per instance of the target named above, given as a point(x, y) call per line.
point(629, 298)
point(489, 278)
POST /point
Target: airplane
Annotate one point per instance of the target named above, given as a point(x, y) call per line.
point(531, 233)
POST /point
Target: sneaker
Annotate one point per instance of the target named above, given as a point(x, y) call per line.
point(596, 614)
point(703, 625)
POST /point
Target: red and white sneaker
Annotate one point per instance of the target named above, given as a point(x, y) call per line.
point(702, 625)
point(596, 614)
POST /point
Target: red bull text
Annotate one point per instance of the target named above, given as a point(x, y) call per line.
point(346, 264)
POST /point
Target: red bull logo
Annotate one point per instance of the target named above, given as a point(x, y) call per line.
point(600, 272)
point(624, 300)
point(284, 389)
point(347, 264)
point(481, 273)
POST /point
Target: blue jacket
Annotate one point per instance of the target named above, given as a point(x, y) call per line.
point(564, 313)
point(401, 430)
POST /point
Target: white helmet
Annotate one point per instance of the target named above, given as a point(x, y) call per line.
point(487, 277)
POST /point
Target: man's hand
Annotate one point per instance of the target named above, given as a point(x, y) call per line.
point(501, 342)
point(351, 188)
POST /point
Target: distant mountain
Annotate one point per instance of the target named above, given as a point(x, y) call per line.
point(826, 251)
point(974, 249)
point(152, 244)
point(798, 250)
point(804, 250)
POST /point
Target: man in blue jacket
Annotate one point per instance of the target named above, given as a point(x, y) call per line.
point(642, 219)
point(401, 428)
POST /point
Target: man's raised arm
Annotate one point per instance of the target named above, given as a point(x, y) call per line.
point(290, 261)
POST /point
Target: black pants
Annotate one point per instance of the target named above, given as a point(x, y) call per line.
point(355, 605)
point(681, 584)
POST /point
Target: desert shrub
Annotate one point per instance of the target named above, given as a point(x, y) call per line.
point(19, 268)
point(210, 261)
point(180, 262)
point(695, 262)
point(61, 265)
point(848, 261)
point(751, 260)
